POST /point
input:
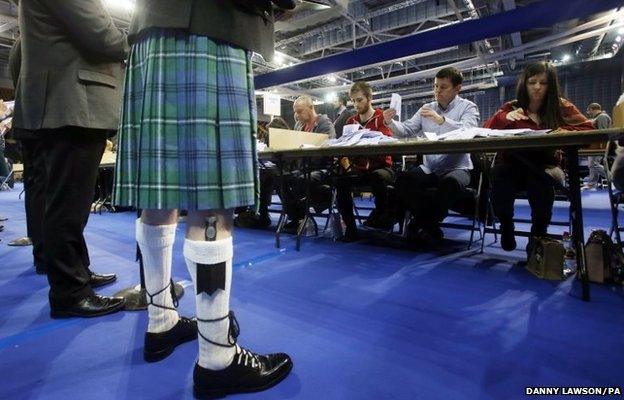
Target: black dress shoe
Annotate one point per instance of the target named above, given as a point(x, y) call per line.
point(160, 345)
point(97, 280)
point(91, 306)
point(248, 372)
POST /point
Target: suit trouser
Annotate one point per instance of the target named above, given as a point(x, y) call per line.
point(428, 212)
point(71, 159)
point(378, 179)
point(34, 189)
point(507, 179)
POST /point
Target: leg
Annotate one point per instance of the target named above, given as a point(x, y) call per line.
point(34, 182)
point(155, 234)
point(409, 188)
point(72, 156)
point(541, 194)
point(380, 179)
point(223, 367)
point(504, 184)
point(344, 203)
point(449, 191)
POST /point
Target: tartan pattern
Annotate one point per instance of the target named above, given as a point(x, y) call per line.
point(187, 131)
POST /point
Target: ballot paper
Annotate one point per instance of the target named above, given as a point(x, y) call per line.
point(395, 103)
point(431, 136)
point(349, 129)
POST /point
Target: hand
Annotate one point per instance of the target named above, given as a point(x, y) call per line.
point(555, 173)
point(345, 163)
point(427, 112)
point(516, 115)
point(388, 115)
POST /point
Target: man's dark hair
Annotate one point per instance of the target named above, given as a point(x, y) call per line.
point(362, 87)
point(451, 73)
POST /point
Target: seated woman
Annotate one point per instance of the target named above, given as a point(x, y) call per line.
point(538, 105)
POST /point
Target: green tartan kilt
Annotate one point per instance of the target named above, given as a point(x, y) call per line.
point(187, 136)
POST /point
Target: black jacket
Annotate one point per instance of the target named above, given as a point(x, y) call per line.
point(245, 24)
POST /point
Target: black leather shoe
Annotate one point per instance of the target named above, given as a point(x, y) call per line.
point(91, 306)
point(159, 345)
point(97, 280)
point(248, 372)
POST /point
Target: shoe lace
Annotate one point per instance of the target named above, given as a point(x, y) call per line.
point(233, 330)
point(174, 297)
point(246, 357)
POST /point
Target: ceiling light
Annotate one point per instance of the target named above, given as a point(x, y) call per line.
point(332, 78)
point(329, 97)
point(618, 39)
point(127, 5)
point(566, 57)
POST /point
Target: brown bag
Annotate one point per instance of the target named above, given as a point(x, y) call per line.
point(604, 259)
point(546, 259)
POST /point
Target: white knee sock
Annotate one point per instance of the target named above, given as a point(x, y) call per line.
point(215, 277)
point(156, 244)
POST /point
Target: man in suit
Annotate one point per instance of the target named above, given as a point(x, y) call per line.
point(68, 96)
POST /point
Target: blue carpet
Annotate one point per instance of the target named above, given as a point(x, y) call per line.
point(361, 321)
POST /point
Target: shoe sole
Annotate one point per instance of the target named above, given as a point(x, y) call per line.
point(219, 393)
point(70, 314)
point(155, 356)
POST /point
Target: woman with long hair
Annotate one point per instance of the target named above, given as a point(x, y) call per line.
point(538, 105)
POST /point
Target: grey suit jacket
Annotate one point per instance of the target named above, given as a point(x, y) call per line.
point(245, 24)
point(71, 68)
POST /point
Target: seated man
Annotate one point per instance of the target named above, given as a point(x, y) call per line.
point(295, 188)
point(374, 171)
point(449, 173)
point(601, 120)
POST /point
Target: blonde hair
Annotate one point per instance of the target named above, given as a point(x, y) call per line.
point(304, 100)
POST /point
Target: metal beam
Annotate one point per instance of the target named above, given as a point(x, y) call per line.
point(541, 14)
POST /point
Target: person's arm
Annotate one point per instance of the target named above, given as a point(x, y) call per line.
point(410, 128)
point(468, 119)
point(499, 121)
point(603, 121)
point(325, 126)
point(90, 25)
point(573, 119)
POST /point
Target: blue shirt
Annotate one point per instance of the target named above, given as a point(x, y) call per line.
point(460, 113)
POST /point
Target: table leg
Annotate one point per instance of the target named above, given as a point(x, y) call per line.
point(578, 234)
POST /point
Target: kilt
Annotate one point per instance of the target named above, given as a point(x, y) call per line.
point(187, 136)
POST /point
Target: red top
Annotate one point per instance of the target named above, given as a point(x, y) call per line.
point(573, 120)
point(375, 123)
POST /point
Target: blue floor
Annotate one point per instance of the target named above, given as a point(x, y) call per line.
point(361, 321)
